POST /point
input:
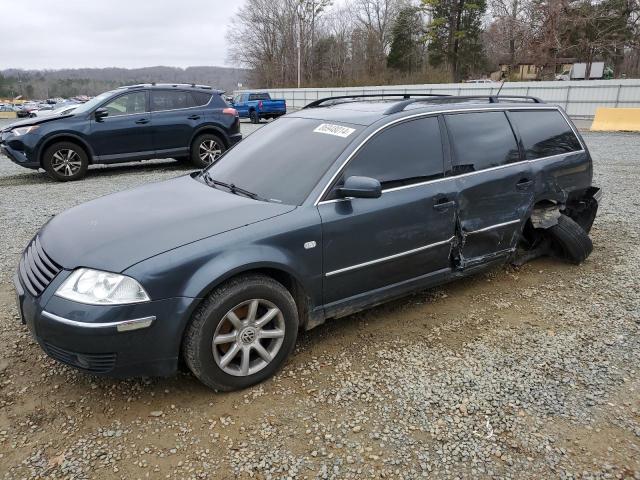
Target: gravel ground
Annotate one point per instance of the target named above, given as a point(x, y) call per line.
point(515, 373)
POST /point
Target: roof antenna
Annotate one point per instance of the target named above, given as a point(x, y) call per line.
point(500, 89)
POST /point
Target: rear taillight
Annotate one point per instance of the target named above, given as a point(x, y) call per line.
point(260, 104)
point(230, 111)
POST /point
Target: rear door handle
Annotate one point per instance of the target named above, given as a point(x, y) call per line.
point(142, 121)
point(443, 205)
point(194, 117)
point(524, 184)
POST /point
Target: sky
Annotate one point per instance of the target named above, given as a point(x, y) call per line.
point(52, 34)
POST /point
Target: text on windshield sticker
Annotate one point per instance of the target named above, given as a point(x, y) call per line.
point(337, 130)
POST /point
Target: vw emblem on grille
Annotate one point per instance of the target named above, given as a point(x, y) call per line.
point(248, 335)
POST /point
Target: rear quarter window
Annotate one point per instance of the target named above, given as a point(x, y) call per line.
point(200, 98)
point(544, 133)
point(481, 140)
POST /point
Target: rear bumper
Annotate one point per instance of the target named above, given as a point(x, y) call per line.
point(234, 138)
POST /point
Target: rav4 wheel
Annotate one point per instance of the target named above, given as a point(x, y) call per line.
point(65, 161)
point(242, 334)
point(570, 240)
point(206, 149)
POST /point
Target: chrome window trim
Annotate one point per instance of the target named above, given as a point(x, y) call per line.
point(442, 112)
point(453, 177)
point(121, 326)
point(390, 257)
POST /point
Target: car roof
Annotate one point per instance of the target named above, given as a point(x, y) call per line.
point(367, 112)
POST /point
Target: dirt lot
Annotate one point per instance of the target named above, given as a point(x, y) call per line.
point(515, 373)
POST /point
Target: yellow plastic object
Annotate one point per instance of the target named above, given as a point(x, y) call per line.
point(616, 120)
point(8, 115)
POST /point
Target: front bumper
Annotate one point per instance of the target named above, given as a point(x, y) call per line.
point(121, 340)
point(18, 157)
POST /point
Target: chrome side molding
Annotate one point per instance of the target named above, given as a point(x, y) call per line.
point(121, 326)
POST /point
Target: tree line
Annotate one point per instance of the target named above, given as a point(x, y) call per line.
point(66, 83)
point(365, 42)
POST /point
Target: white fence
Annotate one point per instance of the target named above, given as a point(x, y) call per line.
point(578, 98)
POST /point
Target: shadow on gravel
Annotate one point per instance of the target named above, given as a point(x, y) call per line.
point(98, 171)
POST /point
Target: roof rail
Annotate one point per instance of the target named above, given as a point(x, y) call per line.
point(406, 96)
point(167, 85)
point(399, 107)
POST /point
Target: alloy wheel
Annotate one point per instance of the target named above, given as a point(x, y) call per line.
point(248, 338)
point(209, 151)
point(66, 162)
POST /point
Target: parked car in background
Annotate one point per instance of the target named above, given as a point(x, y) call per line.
point(311, 217)
point(139, 122)
point(25, 110)
point(481, 80)
point(58, 110)
point(258, 105)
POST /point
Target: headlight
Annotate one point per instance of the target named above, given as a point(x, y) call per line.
point(101, 288)
point(24, 130)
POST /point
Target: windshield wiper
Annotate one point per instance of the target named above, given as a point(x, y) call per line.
point(231, 187)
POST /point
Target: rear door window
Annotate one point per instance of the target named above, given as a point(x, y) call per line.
point(544, 133)
point(406, 153)
point(170, 100)
point(481, 140)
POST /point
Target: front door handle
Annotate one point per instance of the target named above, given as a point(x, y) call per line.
point(142, 121)
point(524, 184)
point(443, 205)
point(194, 117)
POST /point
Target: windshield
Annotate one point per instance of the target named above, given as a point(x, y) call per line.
point(283, 161)
point(94, 102)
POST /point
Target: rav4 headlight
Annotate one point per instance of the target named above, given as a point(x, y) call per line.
point(24, 130)
point(101, 288)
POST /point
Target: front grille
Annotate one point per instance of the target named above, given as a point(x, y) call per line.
point(90, 362)
point(37, 270)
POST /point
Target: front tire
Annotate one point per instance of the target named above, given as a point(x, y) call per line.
point(242, 333)
point(65, 162)
point(570, 240)
point(206, 149)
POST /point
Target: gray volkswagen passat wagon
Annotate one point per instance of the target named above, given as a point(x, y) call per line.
point(343, 205)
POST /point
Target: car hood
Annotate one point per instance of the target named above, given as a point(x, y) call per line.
point(35, 121)
point(116, 231)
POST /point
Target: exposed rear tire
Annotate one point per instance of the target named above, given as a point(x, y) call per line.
point(65, 161)
point(253, 115)
point(206, 149)
point(242, 333)
point(570, 240)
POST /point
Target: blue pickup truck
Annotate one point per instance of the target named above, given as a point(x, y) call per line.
point(257, 105)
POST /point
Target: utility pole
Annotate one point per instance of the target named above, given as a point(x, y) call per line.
point(299, 41)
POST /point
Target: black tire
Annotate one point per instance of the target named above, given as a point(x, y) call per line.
point(201, 144)
point(65, 161)
point(198, 348)
point(570, 241)
point(253, 115)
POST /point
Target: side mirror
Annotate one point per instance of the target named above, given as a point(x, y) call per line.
point(360, 187)
point(101, 113)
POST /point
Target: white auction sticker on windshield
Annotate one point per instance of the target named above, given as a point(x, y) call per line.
point(337, 130)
